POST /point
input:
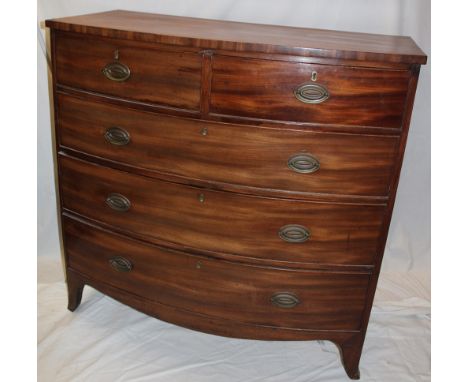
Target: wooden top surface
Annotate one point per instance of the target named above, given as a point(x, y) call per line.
point(229, 35)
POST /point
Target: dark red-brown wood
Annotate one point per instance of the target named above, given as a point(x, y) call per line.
point(355, 347)
point(213, 202)
point(223, 222)
point(163, 77)
point(265, 89)
point(234, 154)
point(348, 342)
point(235, 36)
point(327, 300)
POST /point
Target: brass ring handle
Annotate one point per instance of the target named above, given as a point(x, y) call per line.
point(117, 136)
point(118, 202)
point(285, 300)
point(303, 163)
point(116, 71)
point(121, 264)
point(311, 93)
point(294, 233)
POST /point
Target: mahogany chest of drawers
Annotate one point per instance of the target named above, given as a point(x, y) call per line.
point(232, 178)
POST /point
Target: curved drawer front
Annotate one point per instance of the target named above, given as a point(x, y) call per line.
point(289, 160)
point(255, 295)
point(301, 92)
point(122, 69)
point(279, 229)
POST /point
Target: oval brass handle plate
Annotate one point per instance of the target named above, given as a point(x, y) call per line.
point(303, 163)
point(311, 93)
point(117, 136)
point(118, 202)
point(116, 71)
point(294, 233)
point(285, 300)
point(121, 264)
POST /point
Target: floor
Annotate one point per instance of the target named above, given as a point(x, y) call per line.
point(104, 340)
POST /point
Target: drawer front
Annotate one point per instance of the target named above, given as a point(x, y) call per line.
point(258, 157)
point(279, 229)
point(276, 90)
point(160, 77)
point(274, 297)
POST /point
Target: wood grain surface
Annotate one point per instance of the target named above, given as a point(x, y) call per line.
point(161, 77)
point(243, 155)
point(212, 119)
point(327, 300)
point(265, 89)
point(223, 222)
point(222, 34)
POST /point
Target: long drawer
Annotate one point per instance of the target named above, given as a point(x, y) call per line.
point(303, 92)
point(291, 160)
point(123, 69)
point(265, 228)
point(262, 296)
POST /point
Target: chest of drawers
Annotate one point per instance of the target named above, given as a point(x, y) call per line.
point(236, 179)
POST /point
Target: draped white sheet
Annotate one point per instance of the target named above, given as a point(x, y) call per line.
point(105, 341)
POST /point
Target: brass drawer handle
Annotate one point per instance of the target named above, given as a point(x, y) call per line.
point(303, 163)
point(116, 71)
point(118, 202)
point(285, 300)
point(294, 233)
point(121, 264)
point(311, 93)
point(117, 136)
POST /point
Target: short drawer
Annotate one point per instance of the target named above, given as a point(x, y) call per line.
point(123, 69)
point(303, 92)
point(291, 160)
point(255, 295)
point(264, 228)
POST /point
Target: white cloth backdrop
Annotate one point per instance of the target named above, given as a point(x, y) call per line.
point(407, 257)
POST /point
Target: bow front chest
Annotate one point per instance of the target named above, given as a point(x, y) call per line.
point(232, 178)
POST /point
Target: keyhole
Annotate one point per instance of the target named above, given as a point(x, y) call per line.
point(198, 265)
point(116, 55)
point(201, 198)
point(204, 131)
point(314, 76)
